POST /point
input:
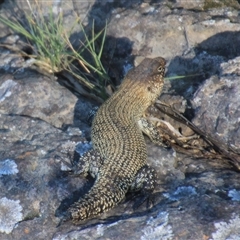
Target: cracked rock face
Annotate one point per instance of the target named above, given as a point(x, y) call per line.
point(217, 104)
point(37, 97)
point(195, 198)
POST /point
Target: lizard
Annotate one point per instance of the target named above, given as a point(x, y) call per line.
point(118, 160)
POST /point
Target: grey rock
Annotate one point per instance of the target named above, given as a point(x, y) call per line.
point(168, 32)
point(155, 227)
point(34, 177)
point(217, 104)
point(37, 97)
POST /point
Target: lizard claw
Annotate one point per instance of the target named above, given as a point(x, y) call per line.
point(142, 198)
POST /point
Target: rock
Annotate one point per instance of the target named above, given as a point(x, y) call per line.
point(30, 177)
point(37, 97)
point(194, 198)
point(217, 104)
point(169, 32)
point(197, 5)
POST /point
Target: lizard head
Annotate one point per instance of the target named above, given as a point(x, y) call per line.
point(148, 77)
point(153, 78)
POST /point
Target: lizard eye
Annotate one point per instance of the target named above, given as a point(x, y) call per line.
point(160, 69)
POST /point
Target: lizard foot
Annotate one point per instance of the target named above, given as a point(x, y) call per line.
point(144, 182)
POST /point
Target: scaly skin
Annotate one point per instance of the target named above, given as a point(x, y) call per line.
point(119, 164)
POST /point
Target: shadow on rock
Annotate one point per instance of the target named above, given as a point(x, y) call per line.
point(74, 197)
point(225, 44)
point(203, 62)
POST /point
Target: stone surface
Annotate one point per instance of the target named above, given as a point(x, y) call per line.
point(195, 198)
point(220, 96)
point(37, 97)
point(217, 104)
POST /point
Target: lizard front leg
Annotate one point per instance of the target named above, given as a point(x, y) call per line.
point(151, 131)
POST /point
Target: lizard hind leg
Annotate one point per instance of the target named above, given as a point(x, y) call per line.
point(89, 163)
point(144, 182)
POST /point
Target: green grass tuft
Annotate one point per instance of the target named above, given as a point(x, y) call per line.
point(208, 4)
point(53, 52)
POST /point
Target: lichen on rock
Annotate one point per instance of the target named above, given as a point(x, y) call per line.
point(10, 214)
point(234, 194)
point(181, 192)
point(8, 167)
point(228, 231)
point(158, 228)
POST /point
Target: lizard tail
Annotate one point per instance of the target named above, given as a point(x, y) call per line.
point(100, 198)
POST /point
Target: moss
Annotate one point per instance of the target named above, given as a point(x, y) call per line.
point(208, 4)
